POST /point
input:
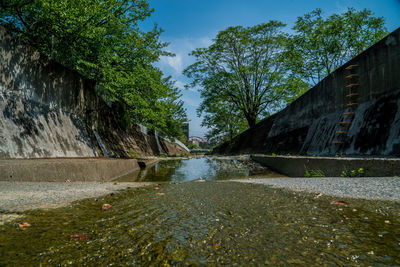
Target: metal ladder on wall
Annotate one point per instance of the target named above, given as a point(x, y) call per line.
point(352, 96)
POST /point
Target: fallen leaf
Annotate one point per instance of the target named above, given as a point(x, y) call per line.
point(216, 246)
point(318, 195)
point(79, 237)
point(160, 194)
point(23, 225)
point(106, 206)
point(339, 202)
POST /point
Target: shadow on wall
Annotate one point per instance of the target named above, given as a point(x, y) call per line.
point(48, 110)
point(354, 111)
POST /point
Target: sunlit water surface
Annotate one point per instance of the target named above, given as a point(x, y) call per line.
point(204, 168)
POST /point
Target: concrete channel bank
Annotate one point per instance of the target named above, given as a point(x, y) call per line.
point(71, 169)
point(296, 166)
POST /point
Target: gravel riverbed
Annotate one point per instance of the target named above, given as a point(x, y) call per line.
point(382, 188)
point(17, 197)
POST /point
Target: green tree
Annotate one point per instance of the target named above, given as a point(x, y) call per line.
point(221, 119)
point(103, 41)
point(322, 44)
point(244, 67)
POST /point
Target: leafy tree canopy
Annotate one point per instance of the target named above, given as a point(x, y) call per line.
point(250, 72)
point(103, 41)
point(242, 76)
point(322, 44)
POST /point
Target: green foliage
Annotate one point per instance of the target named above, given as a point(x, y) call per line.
point(249, 73)
point(321, 44)
point(102, 40)
point(221, 119)
point(314, 173)
point(193, 146)
point(242, 77)
point(133, 154)
point(353, 173)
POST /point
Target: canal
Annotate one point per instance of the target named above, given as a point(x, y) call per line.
point(200, 168)
point(193, 215)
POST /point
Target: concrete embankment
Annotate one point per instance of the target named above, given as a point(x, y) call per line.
point(72, 169)
point(48, 110)
point(355, 111)
point(296, 166)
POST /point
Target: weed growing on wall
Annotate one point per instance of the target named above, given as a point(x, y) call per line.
point(353, 173)
point(314, 173)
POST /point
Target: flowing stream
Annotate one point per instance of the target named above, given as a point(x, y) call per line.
point(193, 215)
point(202, 168)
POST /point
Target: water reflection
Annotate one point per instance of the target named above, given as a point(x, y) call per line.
point(205, 168)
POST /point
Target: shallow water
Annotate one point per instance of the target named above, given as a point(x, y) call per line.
point(204, 168)
point(208, 223)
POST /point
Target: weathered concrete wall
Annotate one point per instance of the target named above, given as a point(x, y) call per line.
point(310, 125)
point(47, 110)
point(31, 129)
point(62, 169)
point(329, 166)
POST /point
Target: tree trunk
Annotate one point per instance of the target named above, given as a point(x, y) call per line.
point(251, 119)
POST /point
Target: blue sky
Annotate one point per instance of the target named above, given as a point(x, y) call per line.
point(189, 24)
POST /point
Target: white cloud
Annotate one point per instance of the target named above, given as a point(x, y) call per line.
point(206, 41)
point(174, 66)
point(180, 85)
point(174, 63)
point(191, 101)
point(181, 47)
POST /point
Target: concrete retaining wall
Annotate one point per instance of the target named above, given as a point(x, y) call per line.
point(60, 170)
point(330, 167)
point(310, 124)
point(48, 110)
